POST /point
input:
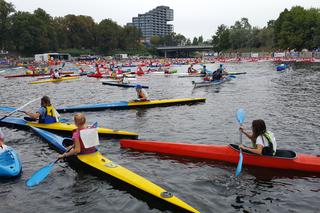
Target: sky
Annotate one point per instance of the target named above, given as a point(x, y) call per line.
point(191, 18)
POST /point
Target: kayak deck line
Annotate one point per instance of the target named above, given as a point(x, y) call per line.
point(35, 75)
point(131, 105)
point(103, 165)
point(66, 128)
point(55, 80)
point(283, 160)
point(210, 83)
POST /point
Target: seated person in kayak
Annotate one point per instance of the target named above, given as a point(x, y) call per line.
point(262, 140)
point(79, 146)
point(141, 93)
point(204, 70)
point(218, 74)
point(191, 69)
point(56, 74)
point(46, 114)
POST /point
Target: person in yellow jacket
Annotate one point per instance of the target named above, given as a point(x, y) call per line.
point(46, 114)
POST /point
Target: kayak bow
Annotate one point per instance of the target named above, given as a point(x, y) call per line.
point(10, 164)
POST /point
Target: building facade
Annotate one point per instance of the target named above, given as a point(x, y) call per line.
point(154, 22)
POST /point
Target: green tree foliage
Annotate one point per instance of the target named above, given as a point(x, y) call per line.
point(297, 28)
point(195, 41)
point(108, 33)
point(155, 40)
point(221, 40)
point(6, 9)
point(173, 39)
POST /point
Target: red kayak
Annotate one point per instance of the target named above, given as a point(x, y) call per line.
point(284, 159)
point(35, 75)
point(95, 75)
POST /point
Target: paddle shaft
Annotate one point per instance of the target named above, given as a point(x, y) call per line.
point(19, 109)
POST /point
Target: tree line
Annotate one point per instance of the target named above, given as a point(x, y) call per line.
point(297, 28)
point(28, 33)
point(38, 32)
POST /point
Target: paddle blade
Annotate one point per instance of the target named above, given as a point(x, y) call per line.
point(239, 166)
point(39, 175)
point(241, 116)
point(232, 76)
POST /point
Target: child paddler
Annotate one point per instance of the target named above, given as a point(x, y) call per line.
point(141, 93)
point(84, 139)
point(46, 114)
point(262, 140)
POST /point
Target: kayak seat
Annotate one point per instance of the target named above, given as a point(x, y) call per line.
point(280, 153)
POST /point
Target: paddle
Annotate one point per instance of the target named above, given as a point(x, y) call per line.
point(42, 173)
point(240, 119)
point(18, 109)
point(10, 109)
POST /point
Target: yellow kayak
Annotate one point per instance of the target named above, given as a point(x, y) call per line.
point(103, 164)
point(66, 127)
point(167, 102)
point(55, 80)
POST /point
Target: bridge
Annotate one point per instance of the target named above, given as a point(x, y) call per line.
point(184, 49)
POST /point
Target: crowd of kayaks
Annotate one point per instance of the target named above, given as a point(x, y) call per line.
point(10, 164)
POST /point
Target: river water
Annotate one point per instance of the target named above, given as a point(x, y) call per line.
point(288, 103)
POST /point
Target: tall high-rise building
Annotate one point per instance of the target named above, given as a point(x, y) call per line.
point(154, 22)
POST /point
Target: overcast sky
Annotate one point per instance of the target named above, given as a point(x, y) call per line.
point(191, 17)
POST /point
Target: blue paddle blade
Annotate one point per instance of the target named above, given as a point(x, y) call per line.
point(239, 167)
point(9, 109)
point(240, 116)
point(40, 175)
point(232, 76)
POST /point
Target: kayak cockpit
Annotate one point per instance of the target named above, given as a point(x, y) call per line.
point(280, 153)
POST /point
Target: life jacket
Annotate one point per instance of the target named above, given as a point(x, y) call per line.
point(83, 149)
point(50, 116)
point(272, 148)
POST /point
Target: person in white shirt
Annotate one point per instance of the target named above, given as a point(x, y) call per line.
point(262, 140)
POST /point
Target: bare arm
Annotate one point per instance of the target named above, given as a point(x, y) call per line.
point(258, 150)
point(72, 151)
point(33, 115)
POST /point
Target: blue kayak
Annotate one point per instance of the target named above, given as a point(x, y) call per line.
point(10, 164)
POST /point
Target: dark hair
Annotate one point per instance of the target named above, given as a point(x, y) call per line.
point(258, 128)
point(45, 101)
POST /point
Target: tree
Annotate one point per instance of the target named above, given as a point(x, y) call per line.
point(130, 38)
point(221, 40)
point(6, 9)
point(195, 41)
point(200, 40)
point(107, 34)
point(155, 40)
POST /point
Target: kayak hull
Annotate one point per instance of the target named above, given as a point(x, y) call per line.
point(284, 159)
point(122, 85)
point(131, 105)
point(35, 75)
point(65, 128)
point(211, 83)
point(10, 164)
point(100, 164)
point(55, 80)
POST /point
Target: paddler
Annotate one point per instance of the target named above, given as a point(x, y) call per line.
point(204, 70)
point(191, 69)
point(56, 74)
point(218, 74)
point(141, 93)
point(46, 114)
point(263, 141)
point(78, 145)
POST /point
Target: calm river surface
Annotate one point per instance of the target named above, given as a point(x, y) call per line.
point(288, 102)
